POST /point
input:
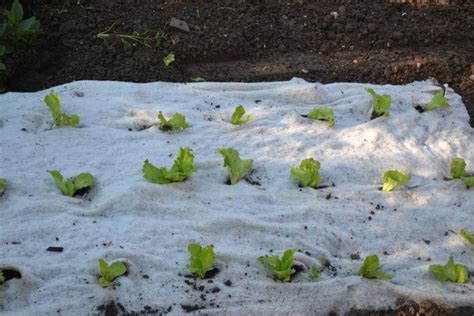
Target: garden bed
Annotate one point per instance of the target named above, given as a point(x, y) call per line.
point(148, 226)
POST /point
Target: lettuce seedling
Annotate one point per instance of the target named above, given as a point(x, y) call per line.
point(458, 171)
point(238, 114)
point(467, 235)
point(438, 101)
point(307, 174)
point(201, 260)
point(237, 167)
point(108, 273)
point(71, 186)
point(451, 272)
point(168, 59)
point(282, 269)
point(2, 278)
point(315, 273)
point(370, 269)
point(182, 168)
point(60, 118)
point(393, 179)
point(3, 186)
point(380, 104)
point(177, 121)
point(322, 114)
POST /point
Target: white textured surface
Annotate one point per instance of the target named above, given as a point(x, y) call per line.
point(149, 225)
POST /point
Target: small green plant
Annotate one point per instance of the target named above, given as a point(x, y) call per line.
point(467, 235)
point(2, 278)
point(71, 186)
point(201, 259)
point(237, 167)
point(182, 168)
point(282, 269)
point(147, 39)
point(238, 114)
point(315, 273)
point(3, 186)
point(198, 79)
point(450, 272)
point(307, 174)
point(380, 104)
point(458, 171)
point(60, 118)
point(177, 121)
point(393, 179)
point(168, 59)
point(108, 273)
point(371, 269)
point(16, 33)
point(438, 101)
point(322, 114)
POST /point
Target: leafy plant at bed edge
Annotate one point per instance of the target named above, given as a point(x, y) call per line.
point(393, 179)
point(237, 167)
point(322, 114)
point(60, 118)
point(380, 104)
point(281, 268)
point(458, 171)
point(467, 235)
point(438, 101)
point(237, 116)
point(168, 59)
point(3, 186)
point(71, 186)
point(182, 168)
point(371, 269)
point(108, 273)
point(2, 278)
point(451, 272)
point(201, 260)
point(16, 33)
point(315, 273)
point(177, 121)
point(307, 174)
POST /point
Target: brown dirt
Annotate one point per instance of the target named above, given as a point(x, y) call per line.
point(326, 41)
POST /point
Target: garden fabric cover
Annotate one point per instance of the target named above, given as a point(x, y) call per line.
point(149, 226)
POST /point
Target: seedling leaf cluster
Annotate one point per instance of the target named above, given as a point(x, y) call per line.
point(451, 272)
point(322, 114)
point(393, 179)
point(71, 186)
point(201, 259)
point(371, 269)
point(177, 121)
point(60, 118)
point(307, 174)
point(281, 268)
point(182, 168)
point(380, 104)
point(237, 116)
point(108, 273)
point(237, 167)
point(458, 171)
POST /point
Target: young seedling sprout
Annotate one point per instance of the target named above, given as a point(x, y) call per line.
point(108, 273)
point(73, 186)
point(307, 174)
point(60, 118)
point(201, 259)
point(282, 268)
point(451, 272)
point(177, 121)
point(380, 104)
point(393, 179)
point(182, 168)
point(237, 167)
point(237, 116)
point(371, 269)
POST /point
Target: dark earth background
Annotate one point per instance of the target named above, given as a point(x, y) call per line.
point(360, 41)
point(325, 41)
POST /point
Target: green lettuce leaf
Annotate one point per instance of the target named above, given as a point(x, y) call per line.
point(451, 272)
point(168, 59)
point(177, 121)
point(438, 101)
point(237, 167)
point(370, 269)
point(282, 269)
point(467, 235)
point(182, 168)
point(108, 273)
point(3, 186)
point(239, 112)
point(322, 114)
point(60, 118)
point(458, 167)
point(201, 260)
point(307, 174)
point(71, 186)
point(393, 178)
point(380, 104)
point(315, 273)
point(468, 181)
